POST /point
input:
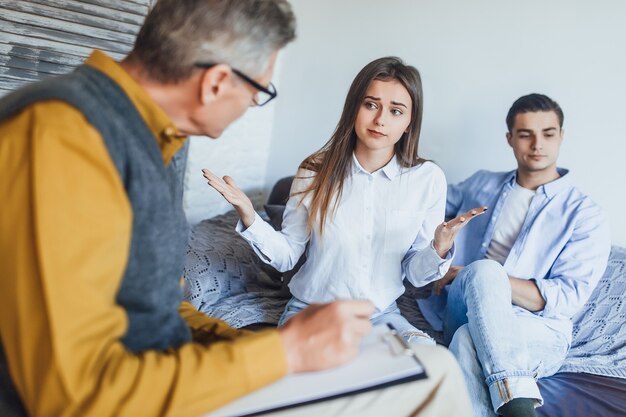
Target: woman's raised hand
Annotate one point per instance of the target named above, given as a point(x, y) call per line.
point(446, 231)
point(228, 189)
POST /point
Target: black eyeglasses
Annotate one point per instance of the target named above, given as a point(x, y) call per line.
point(265, 94)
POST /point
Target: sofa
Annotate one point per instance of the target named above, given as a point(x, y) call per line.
point(225, 279)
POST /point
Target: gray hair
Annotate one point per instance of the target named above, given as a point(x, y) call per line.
point(244, 34)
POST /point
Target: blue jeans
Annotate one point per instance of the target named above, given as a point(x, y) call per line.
point(390, 315)
point(501, 350)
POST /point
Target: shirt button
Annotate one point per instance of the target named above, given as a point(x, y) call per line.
point(368, 237)
point(484, 245)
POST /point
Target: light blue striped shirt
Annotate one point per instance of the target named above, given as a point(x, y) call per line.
point(564, 242)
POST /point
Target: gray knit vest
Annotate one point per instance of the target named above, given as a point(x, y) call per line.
point(150, 291)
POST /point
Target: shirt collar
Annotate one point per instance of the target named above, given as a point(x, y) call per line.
point(551, 188)
point(391, 170)
point(168, 138)
point(562, 183)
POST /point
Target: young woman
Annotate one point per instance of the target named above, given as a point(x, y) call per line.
point(368, 207)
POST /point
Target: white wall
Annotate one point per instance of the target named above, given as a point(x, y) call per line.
point(241, 152)
point(475, 58)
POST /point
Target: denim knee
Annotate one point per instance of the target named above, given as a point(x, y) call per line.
point(485, 277)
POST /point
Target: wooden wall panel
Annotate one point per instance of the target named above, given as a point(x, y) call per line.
point(40, 38)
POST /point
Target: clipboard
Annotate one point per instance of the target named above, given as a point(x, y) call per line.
point(385, 359)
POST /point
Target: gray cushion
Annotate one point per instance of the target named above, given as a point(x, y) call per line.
point(224, 278)
point(280, 191)
point(599, 335)
point(591, 382)
point(275, 214)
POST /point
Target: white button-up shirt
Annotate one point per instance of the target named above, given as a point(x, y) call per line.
point(381, 232)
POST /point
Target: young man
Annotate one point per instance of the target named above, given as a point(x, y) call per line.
point(525, 270)
point(93, 236)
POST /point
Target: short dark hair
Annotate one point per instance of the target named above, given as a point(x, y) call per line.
point(533, 103)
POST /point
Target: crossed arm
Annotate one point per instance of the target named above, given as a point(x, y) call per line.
point(524, 292)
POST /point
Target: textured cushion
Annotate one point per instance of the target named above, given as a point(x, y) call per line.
point(598, 347)
point(599, 334)
point(224, 278)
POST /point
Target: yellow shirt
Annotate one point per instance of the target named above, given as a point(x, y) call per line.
point(65, 231)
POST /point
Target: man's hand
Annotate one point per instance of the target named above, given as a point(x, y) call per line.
point(323, 336)
point(447, 278)
point(526, 294)
point(446, 231)
point(232, 193)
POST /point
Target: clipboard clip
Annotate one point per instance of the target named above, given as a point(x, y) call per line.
point(398, 345)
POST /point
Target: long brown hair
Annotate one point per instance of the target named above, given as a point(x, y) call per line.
point(333, 161)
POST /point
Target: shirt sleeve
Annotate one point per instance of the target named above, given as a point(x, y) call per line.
point(65, 237)
point(282, 249)
point(422, 264)
point(206, 328)
point(579, 267)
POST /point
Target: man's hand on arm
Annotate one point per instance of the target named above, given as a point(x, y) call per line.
point(525, 293)
point(323, 336)
point(447, 279)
